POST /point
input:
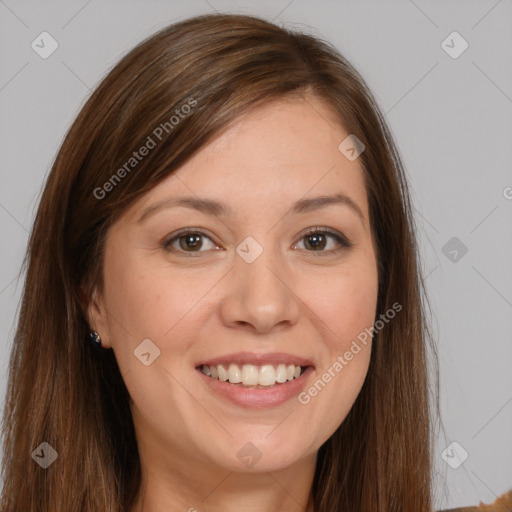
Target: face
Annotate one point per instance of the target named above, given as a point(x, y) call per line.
point(271, 282)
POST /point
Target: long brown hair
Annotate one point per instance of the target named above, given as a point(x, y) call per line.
point(62, 393)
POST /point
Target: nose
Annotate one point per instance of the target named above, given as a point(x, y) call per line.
point(260, 295)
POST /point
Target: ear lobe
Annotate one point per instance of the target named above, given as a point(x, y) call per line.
point(95, 314)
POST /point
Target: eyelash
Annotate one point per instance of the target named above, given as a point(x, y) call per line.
point(340, 239)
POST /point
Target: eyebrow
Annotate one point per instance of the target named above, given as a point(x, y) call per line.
point(219, 209)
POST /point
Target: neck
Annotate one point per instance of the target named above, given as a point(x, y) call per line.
point(167, 489)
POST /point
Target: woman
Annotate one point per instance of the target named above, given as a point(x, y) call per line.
point(223, 304)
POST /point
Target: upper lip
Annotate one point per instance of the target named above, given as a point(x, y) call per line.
point(241, 358)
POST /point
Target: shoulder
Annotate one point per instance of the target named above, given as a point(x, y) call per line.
point(502, 504)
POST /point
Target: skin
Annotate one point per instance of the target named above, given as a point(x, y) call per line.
point(209, 302)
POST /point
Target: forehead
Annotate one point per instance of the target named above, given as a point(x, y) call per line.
point(279, 152)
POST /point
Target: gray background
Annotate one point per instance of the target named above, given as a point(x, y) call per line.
point(451, 118)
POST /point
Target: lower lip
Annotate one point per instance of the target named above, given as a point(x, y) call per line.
point(258, 398)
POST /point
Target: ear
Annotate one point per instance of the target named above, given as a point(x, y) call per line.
point(95, 313)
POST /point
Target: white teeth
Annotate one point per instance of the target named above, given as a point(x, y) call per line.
point(251, 375)
point(234, 374)
point(223, 374)
point(267, 375)
point(281, 375)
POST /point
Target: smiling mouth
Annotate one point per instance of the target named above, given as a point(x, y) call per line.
point(253, 376)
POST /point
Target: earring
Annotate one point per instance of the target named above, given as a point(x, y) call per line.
point(94, 339)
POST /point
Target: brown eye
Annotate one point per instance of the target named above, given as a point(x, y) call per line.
point(192, 241)
point(188, 241)
point(317, 240)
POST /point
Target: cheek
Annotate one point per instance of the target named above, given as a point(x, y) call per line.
point(150, 301)
point(344, 309)
point(346, 303)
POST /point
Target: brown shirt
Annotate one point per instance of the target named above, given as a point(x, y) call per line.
point(502, 504)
